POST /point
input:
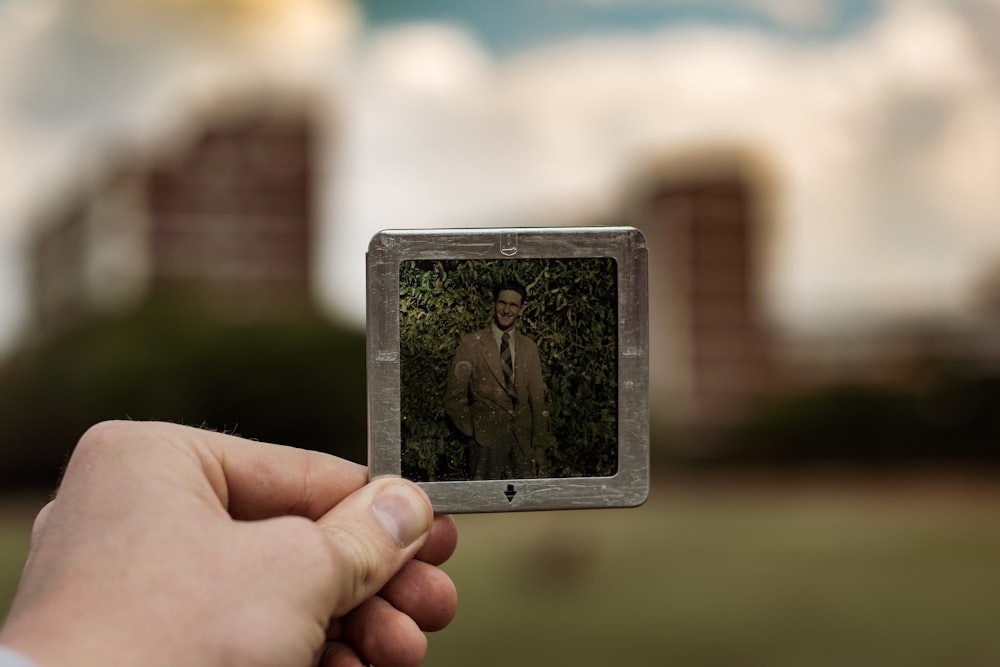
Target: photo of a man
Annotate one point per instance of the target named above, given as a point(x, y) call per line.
point(503, 363)
point(496, 396)
point(459, 420)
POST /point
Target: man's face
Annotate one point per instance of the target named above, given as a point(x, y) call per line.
point(508, 307)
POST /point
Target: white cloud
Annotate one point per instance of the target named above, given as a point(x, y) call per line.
point(74, 73)
point(80, 78)
point(883, 146)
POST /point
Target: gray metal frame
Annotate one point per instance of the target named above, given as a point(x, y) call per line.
point(630, 485)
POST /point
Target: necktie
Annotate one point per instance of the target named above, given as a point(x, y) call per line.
point(508, 367)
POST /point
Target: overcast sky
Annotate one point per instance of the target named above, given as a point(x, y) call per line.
point(879, 121)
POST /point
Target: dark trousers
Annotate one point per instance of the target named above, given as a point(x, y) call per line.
point(504, 458)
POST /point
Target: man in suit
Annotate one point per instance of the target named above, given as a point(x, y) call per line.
point(496, 396)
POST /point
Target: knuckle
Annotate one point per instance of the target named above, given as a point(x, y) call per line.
point(100, 437)
point(312, 546)
point(359, 564)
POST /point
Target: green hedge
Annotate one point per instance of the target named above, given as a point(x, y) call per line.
point(570, 312)
point(949, 414)
point(293, 379)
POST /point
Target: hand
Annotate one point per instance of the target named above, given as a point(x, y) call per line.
point(168, 545)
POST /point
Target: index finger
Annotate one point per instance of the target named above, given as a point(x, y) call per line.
point(441, 542)
point(251, 480)
point(264, 480)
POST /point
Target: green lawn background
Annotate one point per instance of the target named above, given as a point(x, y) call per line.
point(788, 572)
point(16, 515)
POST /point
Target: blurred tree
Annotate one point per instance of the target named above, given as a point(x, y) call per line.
point(987, 291)
point(951, 415)
point(298, 381)
point(570, 312)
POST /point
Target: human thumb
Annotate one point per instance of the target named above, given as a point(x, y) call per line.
point(374, 532)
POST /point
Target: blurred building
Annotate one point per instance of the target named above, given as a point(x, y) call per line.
point(223, 214)
point(714, 353)
point(710, 347)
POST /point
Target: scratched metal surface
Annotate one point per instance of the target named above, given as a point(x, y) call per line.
point(626, 245)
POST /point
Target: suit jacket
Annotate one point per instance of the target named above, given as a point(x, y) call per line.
point(477, 401)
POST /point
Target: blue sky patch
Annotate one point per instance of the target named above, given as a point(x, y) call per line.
point(510, 25)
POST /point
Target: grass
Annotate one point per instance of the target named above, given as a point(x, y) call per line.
point(717, 576)
point(16, 516)
point(722, 573)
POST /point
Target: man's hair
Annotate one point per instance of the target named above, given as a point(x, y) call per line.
point(513, 286)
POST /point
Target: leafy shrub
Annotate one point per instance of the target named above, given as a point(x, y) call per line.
point(293, 379)
point(950, 415)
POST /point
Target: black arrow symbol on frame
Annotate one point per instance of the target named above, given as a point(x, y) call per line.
point(510, 493)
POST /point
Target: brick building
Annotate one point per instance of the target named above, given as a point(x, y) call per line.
point(224, 216)
point(710, 348)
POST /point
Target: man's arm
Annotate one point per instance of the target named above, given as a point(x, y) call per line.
point(168, 545)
